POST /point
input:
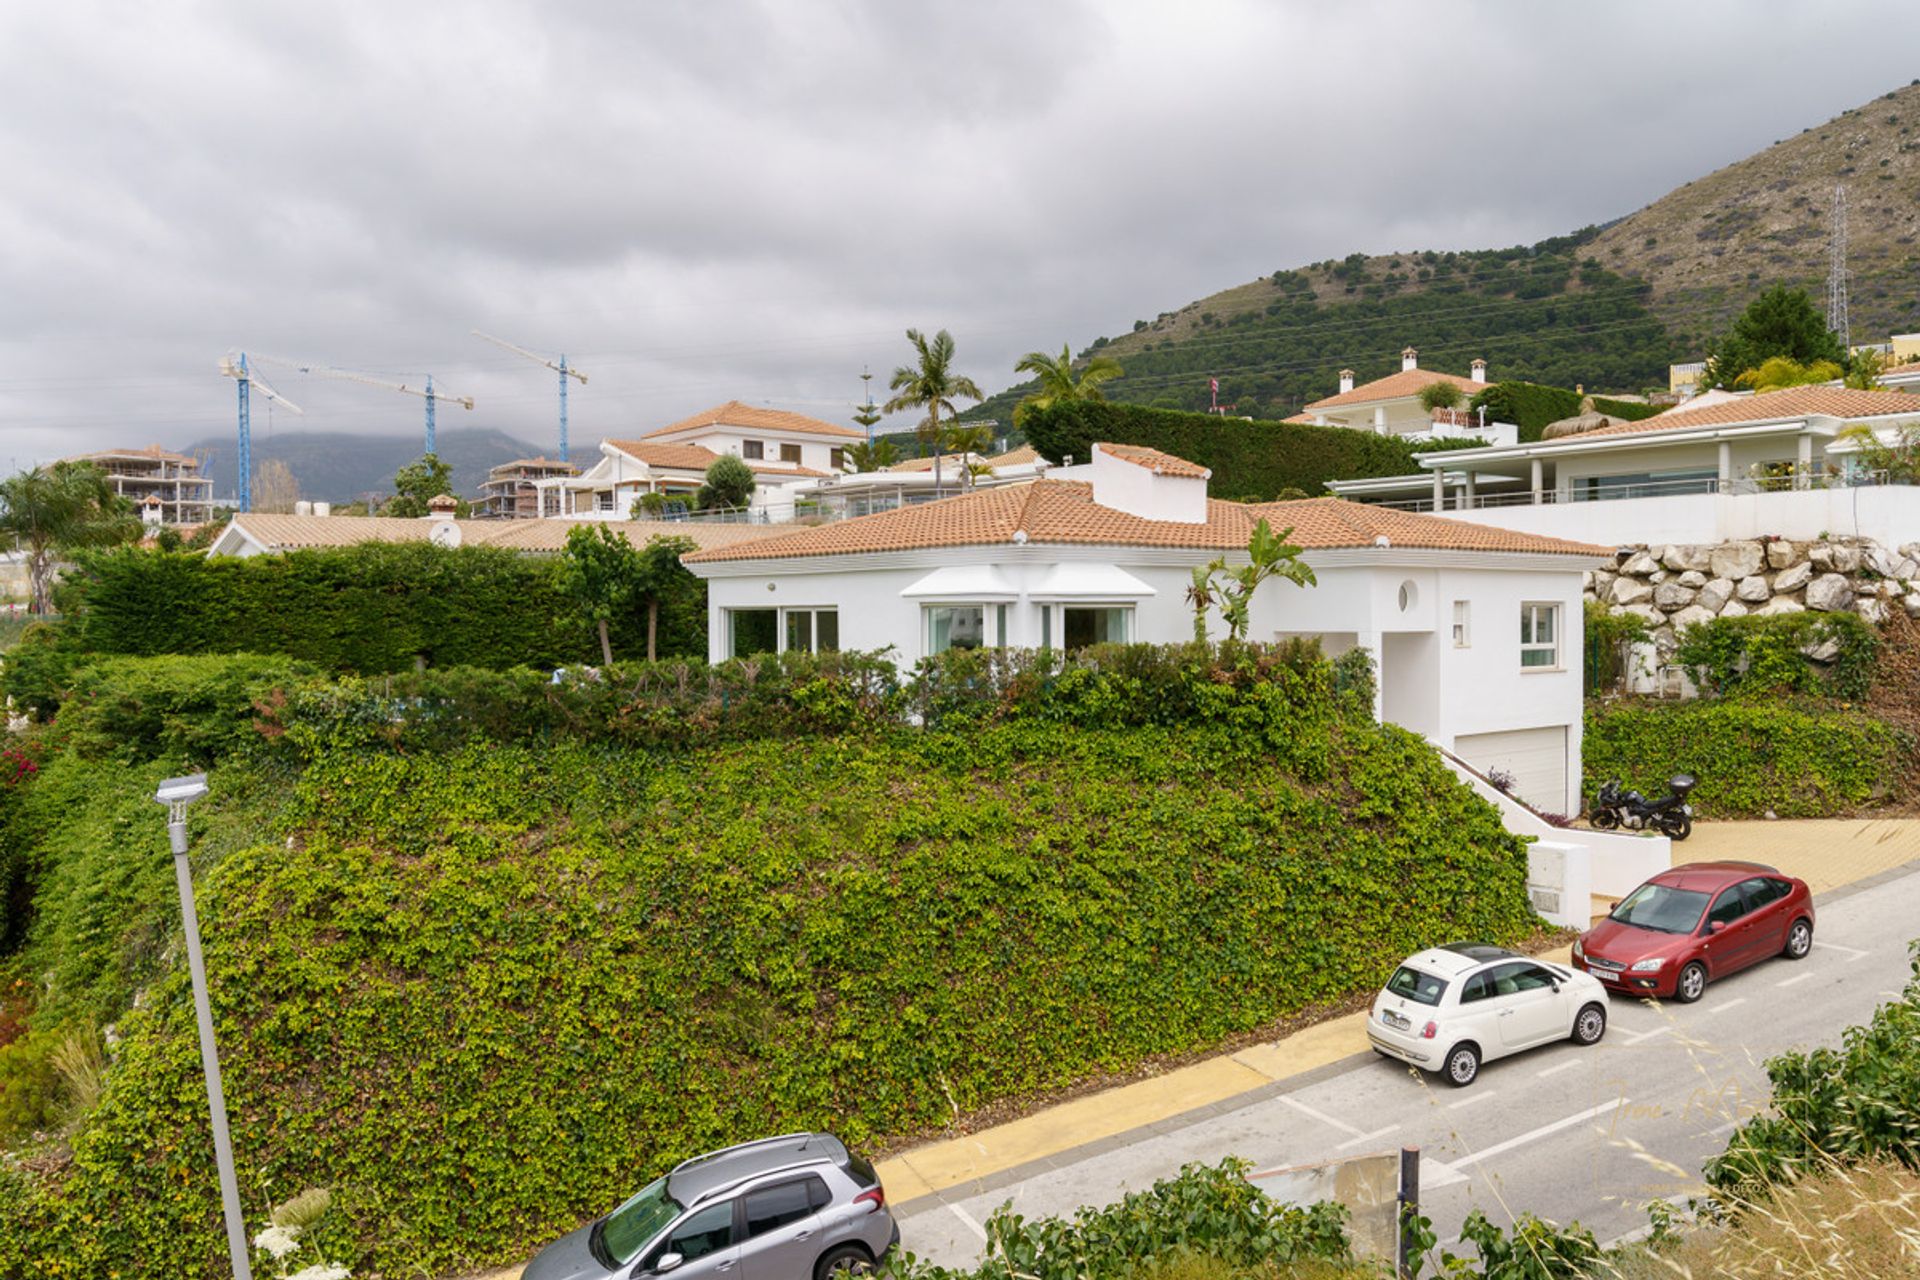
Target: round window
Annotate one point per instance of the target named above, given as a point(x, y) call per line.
point(1409, 596)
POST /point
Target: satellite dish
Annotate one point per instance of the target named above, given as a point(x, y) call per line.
point(444, 533)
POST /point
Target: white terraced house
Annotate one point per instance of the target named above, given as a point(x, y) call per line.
point(1475, 630)
point(1390, 406)
point(1741, 466)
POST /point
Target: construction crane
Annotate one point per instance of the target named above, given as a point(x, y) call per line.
point(428, 391)
point(236, 367)
point(561, 367)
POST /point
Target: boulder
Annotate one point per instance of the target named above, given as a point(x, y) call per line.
point(1781, 554)
point(1715, 594)
point(1874, 611)
point(1912, 603)
point(1734, 609)
point(1825, 651)
point(1882, 561)
point(1646, 613)
point(1640, 564)
point(1671, 596)
point(1693, 578)
point(1692, 615)
point(1753, 589)
point(1658, 576)
point(1736, 559)
point(1907, 567)
point(1846, 559)
point(1600, 581)
point(1629, 591)
point(1777, 605)
point(1820, 556)
point(1683, 559)
point(1792, 579)
point(1829, 593)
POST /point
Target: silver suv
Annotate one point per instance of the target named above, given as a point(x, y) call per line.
point(796, 1207)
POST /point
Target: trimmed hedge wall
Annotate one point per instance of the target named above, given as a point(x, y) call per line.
point(1249, 460)
point(1531, 406)
point(485, 991)
point(1748, 757)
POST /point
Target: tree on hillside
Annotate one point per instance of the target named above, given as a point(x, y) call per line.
point(275, 490)
point(1780, 372)
point(61, 508)
point(931, 384)
point(1780, 322)
point(877, 456)
point(418, 483)
point(729, 485)
point(1058, 382)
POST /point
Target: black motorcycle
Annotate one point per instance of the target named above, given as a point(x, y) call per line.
point(1670, 815)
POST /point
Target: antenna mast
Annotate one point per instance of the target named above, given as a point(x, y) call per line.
point(1837, 269)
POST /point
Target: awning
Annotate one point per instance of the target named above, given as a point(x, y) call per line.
point(1089, 582)
point(969, 582)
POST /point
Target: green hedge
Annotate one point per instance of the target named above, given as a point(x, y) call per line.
point(367, 609)
point(1748, 757)
point(1249, 460)
point(1531, 406)
point(1763, 656)
point(487, 991)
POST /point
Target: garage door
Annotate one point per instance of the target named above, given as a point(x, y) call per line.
point(1535, 758)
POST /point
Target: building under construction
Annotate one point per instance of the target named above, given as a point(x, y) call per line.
point(164, 487)
point(508, 493)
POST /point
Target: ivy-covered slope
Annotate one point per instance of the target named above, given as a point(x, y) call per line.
point(484, 993)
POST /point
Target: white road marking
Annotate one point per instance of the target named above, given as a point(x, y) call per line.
point(1365, 1137)
point(1534, 1135)
point(1799, 977)
point(1568, 1065)
point(1290, 1101)
point(966, 1220)
point(1477, 1098)
point(1728, 1127)
point(1648, 1035)
point(1725, 1005)
point(1852, 953)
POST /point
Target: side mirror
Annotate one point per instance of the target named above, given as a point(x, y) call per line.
point(1716, 926)
point(668, 1262)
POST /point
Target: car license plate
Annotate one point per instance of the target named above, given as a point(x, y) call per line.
point(1605, 975)
point(1394, 1020)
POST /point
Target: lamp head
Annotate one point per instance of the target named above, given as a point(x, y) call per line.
point(182, 791)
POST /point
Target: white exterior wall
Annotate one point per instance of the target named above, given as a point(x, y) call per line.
point(815, 451)
point(1889, 514)
point(1701, 456)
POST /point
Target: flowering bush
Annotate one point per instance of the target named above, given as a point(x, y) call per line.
point(16, 767)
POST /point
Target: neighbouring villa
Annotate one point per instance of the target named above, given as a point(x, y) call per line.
point(1735, 466)
point(1475, 630)
point(1390, 406)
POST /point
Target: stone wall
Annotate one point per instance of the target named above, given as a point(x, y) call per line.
point(1677, 586)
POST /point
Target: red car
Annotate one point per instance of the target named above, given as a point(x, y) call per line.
point(1697, 923)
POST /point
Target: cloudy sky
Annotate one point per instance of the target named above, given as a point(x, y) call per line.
point(710, 200)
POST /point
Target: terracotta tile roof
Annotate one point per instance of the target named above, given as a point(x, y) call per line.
point(1792, 402)
point(948, 461)
point(695, 457)
point(735, 414)
point(1063, 512)
point(1022, 456)
point(1161, 464)
point(295, 533)
point(1408, 382)
point(153, 451)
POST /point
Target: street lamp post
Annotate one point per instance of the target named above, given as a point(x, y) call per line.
point(177, 794)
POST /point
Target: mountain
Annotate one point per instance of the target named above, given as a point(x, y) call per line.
point(1607, 307)
point(339, 467)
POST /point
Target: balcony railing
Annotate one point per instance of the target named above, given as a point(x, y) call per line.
point(1651, 489)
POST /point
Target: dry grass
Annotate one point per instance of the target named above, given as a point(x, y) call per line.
point(82, 1068)
point(1846, 1224)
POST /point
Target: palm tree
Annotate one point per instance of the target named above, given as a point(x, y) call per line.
point(930, 384)
point(1059, 383)
point(68, 506)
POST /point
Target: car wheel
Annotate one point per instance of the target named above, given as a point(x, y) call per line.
point(1691, 983)
point(1799, 939)
point(847, 1260)
point(1463, 1064)
point(1589, 1025)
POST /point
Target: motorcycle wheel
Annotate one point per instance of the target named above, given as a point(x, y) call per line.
point(1677, 826)
point(1604, 819)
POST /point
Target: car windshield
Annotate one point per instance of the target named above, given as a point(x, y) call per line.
point(1415, 985)
point(626, 1231)
point(1662, 909)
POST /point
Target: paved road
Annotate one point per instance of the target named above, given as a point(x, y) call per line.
point(1563, 1132)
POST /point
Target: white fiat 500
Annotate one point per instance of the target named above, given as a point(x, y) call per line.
point(1451, 1008)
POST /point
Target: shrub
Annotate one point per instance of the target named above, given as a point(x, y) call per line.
point(1440, 395)
point(1531, 407)
point(1609, 638)
point(189, 711)
point(1748, 757)
point(1772, 655)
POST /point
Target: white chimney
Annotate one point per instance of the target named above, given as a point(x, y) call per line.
point(1479, 370)
point(1409, 360)
point(1149, 484)
point(1346, 381)
point(303, 508)
point(323, 508)
point(442, 506)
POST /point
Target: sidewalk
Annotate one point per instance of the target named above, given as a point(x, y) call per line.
point(1827, 854)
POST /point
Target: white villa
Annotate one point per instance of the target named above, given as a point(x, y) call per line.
point(1474, 629)
point(1737, 466)
point(782, 448)
point(1390, 406)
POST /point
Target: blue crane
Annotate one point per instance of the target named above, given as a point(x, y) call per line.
point(428, 391)
point(236, 367)
point(561, 367)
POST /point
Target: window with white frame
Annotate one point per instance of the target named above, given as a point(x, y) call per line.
point(752, 449)
point(1462, 624)
point(1539, 635)
point(751, 631)
point(1083, 625)
point(964, 626)
point(813, 630)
